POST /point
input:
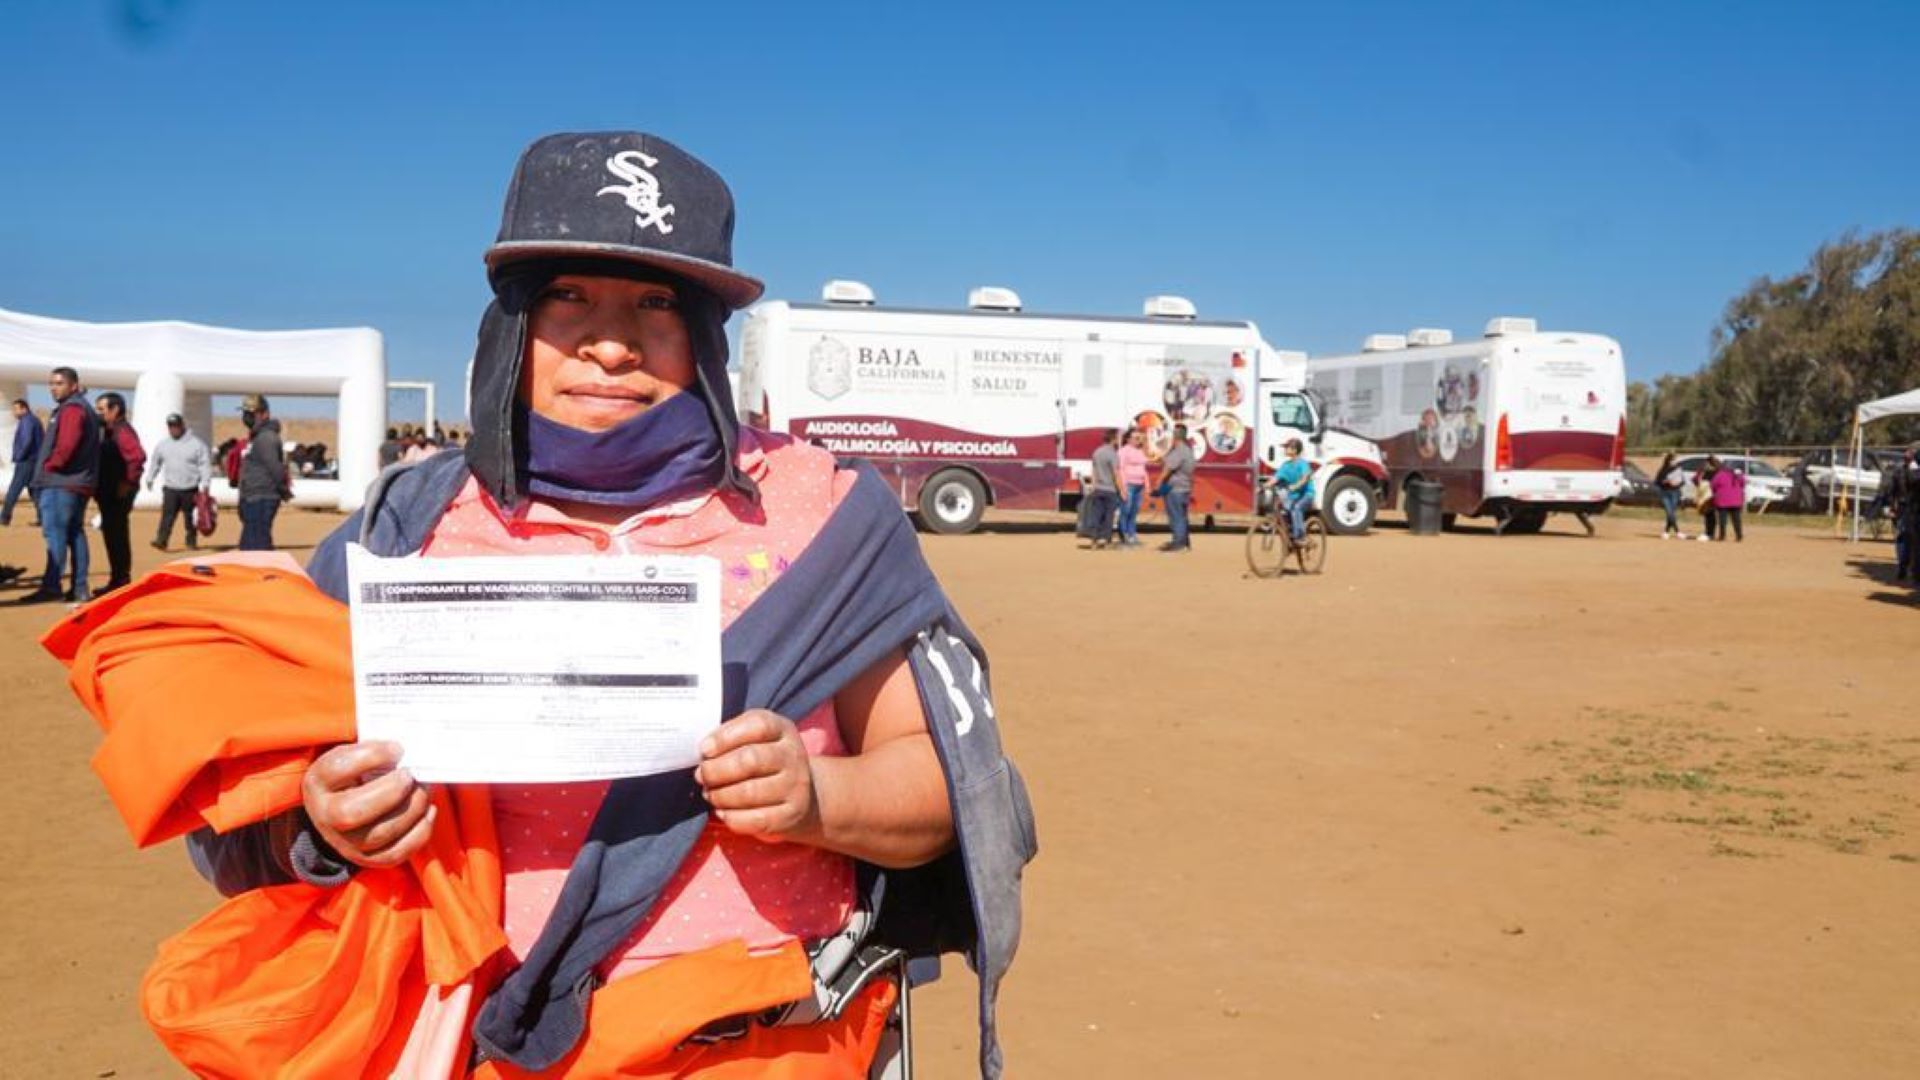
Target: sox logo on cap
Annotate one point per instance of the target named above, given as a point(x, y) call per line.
point(641, 190)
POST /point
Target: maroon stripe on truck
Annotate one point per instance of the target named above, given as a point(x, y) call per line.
point(1562, 451)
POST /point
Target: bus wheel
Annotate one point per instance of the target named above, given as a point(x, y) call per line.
point(952, 502)
point(1350, 506)
point(1447, 520)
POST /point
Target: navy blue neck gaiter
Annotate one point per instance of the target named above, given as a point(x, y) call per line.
point(671, 451)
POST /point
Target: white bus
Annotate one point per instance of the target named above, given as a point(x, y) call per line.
point(1515, 426)
point(993, 406)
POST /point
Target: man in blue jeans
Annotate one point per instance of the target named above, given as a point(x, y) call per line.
point(69, 468)
point(1176, 484)
point(263, 475)
point(27, 434)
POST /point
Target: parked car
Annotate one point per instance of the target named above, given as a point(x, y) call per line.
point(1831, 473)
point(1636, 487)
point(1766, 485)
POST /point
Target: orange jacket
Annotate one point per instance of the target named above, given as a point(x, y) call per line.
point(215, 686)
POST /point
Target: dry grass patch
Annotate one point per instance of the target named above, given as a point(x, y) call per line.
point(1747, 795)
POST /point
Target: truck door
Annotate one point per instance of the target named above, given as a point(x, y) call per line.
point(1285, 414)
point(1092, 397)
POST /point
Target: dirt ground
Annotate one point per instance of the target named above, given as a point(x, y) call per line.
point(1462, 806)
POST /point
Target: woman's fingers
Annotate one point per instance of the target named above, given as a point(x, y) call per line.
point(343, 766)
point(756, 775)
point(752, 726)
point(388, 830)
point(379, 798)
point(402, 849)
point(369, 810)
point(738, 766)
point(749, 794)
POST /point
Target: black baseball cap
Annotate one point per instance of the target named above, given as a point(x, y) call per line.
point(622, 195)
point(175, 419)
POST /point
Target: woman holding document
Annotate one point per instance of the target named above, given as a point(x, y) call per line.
point(852, 808)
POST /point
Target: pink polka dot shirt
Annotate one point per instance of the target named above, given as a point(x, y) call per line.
point(730, 886)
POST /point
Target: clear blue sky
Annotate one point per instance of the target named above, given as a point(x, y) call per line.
point(1326, 170)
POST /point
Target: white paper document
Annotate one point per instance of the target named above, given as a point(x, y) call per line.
point(543, 668)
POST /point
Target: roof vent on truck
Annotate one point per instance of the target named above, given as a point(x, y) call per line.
point(993, 298)
point(1427, 335)
point(1383, 342)
point(851, 293)
point(1505, 325)
point(1170, 307)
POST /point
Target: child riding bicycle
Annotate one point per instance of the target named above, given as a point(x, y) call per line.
point(1295, 477)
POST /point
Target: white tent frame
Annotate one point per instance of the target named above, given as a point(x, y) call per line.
point(1906, 404)
point(177, 367)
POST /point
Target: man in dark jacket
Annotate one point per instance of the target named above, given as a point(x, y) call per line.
point(1901, 489)
point(69, 463)
point(27, 434)
point(263, 475)
point(122, 460)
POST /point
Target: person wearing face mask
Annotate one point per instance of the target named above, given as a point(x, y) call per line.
point(263, 483)
point(853, 803)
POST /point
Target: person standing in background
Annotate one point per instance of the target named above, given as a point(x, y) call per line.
point(1905, 505)
point(62, 483)
point(1104, 488)
point(263, 475)
point(390, 448)
point(1133, 480)
point(1668, 480)
point(1176, 487)
point(1729, 487)
point(27, 437)
point(185, 468)
point(1703, 496)
point(122, 461)
point(417, 449)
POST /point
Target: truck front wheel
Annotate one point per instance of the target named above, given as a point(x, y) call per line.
point(952, 502)
point(1350, 505)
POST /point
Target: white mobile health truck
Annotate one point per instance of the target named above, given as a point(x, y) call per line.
point(994, 406)
point(1516, 425)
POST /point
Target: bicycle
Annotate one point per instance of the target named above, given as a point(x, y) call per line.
point(1270, 539)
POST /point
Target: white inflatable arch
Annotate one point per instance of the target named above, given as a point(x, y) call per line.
point(178, 367)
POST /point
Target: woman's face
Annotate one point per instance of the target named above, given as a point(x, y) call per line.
point(601, 351)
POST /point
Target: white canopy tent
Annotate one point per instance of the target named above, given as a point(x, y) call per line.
point(1906, 404)
point(178, 367)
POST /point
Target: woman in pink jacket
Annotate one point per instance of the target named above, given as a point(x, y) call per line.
point(1729, 497)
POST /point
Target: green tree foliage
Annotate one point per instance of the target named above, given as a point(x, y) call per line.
point(1792, 357)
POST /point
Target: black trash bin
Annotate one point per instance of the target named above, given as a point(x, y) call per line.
point(1423, 507)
